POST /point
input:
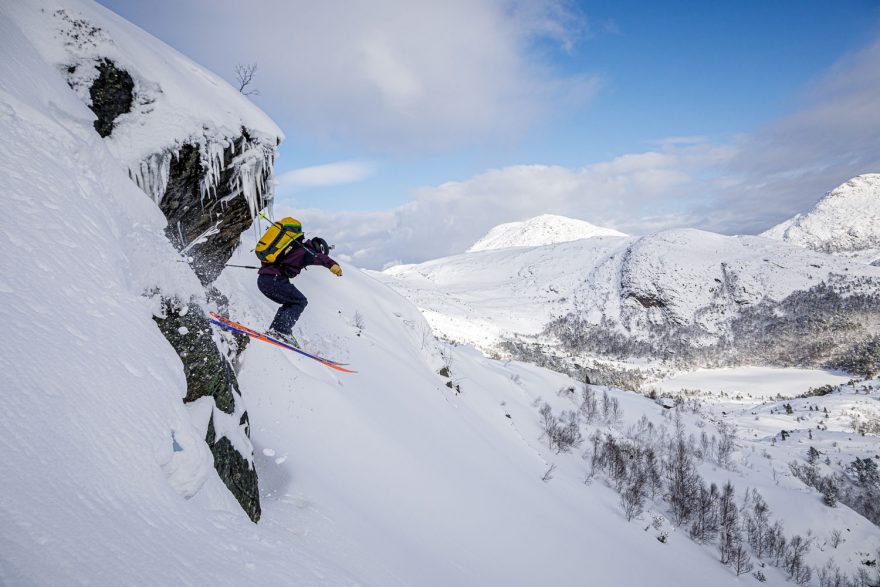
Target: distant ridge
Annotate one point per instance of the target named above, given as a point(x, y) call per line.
point(845, 222)
point(546, 229)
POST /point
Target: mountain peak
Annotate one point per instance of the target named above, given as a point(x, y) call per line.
point(846, 221)
point(545, 229)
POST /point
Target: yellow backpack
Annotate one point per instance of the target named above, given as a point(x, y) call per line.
point(277, 238)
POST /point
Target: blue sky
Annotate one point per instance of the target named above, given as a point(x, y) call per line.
point(546, 106)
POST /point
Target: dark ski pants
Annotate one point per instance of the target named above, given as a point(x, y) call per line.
point(281, 291)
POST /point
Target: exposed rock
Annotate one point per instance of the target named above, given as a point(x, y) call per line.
point(209, 373)
point(237, 473)
point(224, 212)
point(648, 301)
point(112, 94)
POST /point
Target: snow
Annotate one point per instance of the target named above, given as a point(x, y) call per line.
point(387, 477)
point(844, 222)
point(756, 382)
point(541, 230)
point(98, 449)
point(747, 398)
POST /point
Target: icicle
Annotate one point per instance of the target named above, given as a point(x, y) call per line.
point(151, 174)
point(252, 170)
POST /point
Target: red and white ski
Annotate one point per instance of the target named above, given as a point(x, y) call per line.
point(228, 324)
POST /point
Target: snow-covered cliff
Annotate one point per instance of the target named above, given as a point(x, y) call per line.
point(846, 221)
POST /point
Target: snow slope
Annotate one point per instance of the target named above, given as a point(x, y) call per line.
point(410, 482)
point(753, 400)
point(386, 477)
point(541, 230)
point(845, 222)
point(677, 277)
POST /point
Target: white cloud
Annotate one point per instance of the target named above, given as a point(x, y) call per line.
point(330, 174)
point(392, 75)
point(631, 193)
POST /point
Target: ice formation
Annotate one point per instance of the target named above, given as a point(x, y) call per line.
point(251, 170)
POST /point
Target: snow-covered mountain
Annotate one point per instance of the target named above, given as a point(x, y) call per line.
point(635, 288)
point(846, 221)
point(545, 229)
point(129, 458)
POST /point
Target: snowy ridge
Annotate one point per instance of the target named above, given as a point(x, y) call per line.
point(676, 277)
point(846, 221)
point(545, 229)
point(170, 95)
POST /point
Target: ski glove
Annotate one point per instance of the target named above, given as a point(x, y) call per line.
point(336, 270)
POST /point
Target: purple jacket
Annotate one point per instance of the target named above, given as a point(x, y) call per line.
point(295, 261)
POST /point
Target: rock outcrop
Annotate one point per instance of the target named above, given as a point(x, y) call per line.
point(209, 373)
point(112, 94)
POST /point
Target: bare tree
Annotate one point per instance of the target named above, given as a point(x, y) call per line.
point(836, 538)
point(682, 480)
point(740, 559)
point(794, 560)
point(707, 517)
point(244, 73)
point(589, 404)
point(758, 525)
point(830, 576)
point(359, 322)
point(725, 444)
point(632, 498)
point(728, 515)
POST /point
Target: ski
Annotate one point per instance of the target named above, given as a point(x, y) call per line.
point(228, 324)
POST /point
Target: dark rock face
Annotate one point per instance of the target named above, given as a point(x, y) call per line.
point(112, 94)
point(225, 214)
point(235, 472)
point(209, 373)
point(189, 215)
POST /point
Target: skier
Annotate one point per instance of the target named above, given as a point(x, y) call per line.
point(274, 280)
